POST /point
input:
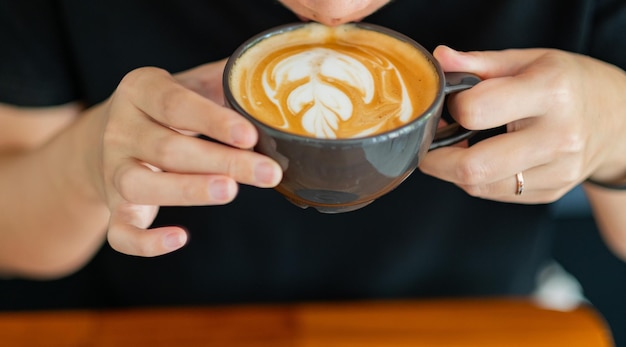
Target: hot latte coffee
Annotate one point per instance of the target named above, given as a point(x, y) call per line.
point(341, 82)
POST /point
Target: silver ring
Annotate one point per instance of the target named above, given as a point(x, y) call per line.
point(520, 183)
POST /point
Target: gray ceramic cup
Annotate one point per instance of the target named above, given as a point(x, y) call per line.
point(341, 175)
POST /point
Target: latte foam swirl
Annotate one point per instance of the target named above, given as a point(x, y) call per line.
point(328, 90)
point(334, 84)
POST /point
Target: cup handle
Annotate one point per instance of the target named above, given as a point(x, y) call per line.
point(453, 133)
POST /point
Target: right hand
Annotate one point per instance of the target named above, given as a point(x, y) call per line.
point(150, 155)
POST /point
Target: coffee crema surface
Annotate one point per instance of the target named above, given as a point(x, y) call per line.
point(333, 82)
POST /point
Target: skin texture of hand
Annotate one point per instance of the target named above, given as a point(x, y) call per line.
point(565, 121)
point(562, 113)
point(98, 173)
point(150, 158)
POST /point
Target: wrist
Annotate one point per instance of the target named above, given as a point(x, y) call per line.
point(81, 159)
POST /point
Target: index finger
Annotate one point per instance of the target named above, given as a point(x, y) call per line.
point(487, 64)
point(159, 95)
point(516, 84)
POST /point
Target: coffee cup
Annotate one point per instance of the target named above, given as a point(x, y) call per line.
point(348, 112)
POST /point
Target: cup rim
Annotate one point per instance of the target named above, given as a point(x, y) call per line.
point(274, 132)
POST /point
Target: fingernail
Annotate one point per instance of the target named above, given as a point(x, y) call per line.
point(264, 173)
point(174, 240)
point(219, 190)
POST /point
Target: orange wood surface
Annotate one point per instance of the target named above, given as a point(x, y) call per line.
point(434, 323)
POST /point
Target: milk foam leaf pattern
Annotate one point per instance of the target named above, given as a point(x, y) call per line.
point(327, 106)
point(320, 99)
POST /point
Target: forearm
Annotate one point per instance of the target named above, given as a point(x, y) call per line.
point(52, 220)
point(609, 207)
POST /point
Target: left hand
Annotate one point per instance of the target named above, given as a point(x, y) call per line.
point(565, 121)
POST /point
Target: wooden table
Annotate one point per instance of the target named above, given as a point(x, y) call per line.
point(485, 323)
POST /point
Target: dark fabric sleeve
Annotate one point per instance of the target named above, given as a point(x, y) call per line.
point(35, 68)
point(608, 37)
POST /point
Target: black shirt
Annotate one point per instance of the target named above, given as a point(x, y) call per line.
point(426, 238)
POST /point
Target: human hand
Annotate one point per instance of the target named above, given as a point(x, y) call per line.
point(564, 118)
point(150, 157)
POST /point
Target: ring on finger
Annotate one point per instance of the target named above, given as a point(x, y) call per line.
point(519, 177)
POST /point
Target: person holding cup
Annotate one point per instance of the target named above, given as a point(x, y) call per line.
point(348, 111)
point(116, 141)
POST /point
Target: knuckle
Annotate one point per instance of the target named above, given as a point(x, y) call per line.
point(571, 141)
point(572, 172)
point(135, 79)
point(562, 87)
point(561, 95)
point(233, 165)
point(470, 171)
point(165, 150)
point(170, 103)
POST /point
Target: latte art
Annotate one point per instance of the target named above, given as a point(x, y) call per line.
point(334, 82)
point(328, 91)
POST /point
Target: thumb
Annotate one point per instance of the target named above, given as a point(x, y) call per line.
point(127, 233)
point(486, 64)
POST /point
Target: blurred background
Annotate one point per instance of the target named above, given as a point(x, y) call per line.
point(580, 250)
point(584, 268)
